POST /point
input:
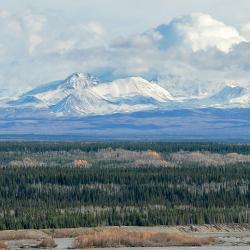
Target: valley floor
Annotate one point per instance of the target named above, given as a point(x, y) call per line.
point(220, 235)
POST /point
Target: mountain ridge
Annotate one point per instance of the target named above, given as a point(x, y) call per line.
point(84, 94)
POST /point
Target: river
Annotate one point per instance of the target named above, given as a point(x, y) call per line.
point(66, 243)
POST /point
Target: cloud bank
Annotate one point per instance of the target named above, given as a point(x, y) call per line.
point(191, 55)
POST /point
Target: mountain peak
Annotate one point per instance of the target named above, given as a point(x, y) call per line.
point(228, 93)
point(81, 94)
point(80, 80)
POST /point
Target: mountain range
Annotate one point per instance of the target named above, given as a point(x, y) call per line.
point(84, 94)
point(83, 107)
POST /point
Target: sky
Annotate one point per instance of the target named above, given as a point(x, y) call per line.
point(182, 42)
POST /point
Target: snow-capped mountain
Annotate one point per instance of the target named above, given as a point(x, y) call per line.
point(227, 95)
point(83, 94)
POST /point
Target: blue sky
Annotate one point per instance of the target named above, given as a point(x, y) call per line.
point(45, 40)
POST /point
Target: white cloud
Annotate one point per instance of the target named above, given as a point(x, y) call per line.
point(37, 34)
point(29, 37)
point(191, 53)
point(34, 41)
point(196, 31)
point(34, 23)
point(14, 25)
point(93, 28)
point(201, 31)
point(194, 53)
point(4, 13)
point(245, 31)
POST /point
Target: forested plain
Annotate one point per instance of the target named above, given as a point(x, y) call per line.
point(66, 184)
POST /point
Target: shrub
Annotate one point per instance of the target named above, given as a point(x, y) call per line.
point(124, 238)
point(81, 163)
point(3, 245)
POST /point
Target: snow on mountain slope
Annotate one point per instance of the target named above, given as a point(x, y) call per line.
point(189, 87)
point(83, 94)
point(229, 96)
point(84, 102)
point(54, 92)
point(76, 80)
point(241, 101)
point(228, 93)
point(132, 87)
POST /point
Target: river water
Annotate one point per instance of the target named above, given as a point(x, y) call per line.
point(63, 244)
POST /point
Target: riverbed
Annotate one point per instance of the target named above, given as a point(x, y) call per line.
point(227, 237)
point(66, 243)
